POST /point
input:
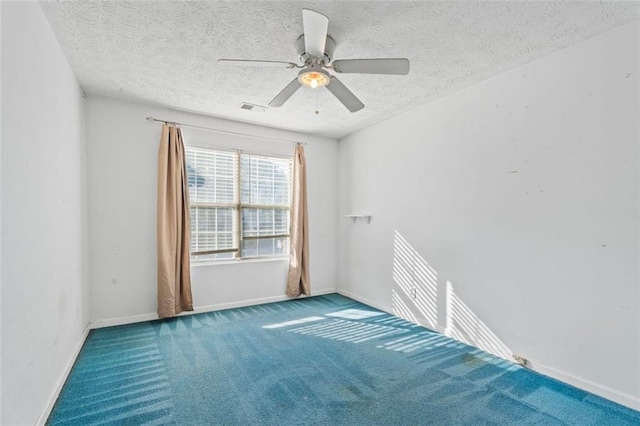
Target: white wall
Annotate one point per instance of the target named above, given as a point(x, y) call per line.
point(44, 300)
point(506, 215)
point(1, 151)
point(122, 165)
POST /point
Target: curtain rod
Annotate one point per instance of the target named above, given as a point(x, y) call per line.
point(152, 119)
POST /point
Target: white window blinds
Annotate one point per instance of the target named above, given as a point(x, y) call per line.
point(239, 204)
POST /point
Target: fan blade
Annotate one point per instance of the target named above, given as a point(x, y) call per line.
point(344, 95)
point(315, 32)
point(285, 94)
point(250, 63)
point(391, 66)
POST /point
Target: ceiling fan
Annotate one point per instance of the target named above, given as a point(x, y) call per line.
point(315, 52)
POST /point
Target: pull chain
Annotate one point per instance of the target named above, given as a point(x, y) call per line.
point(317, 110)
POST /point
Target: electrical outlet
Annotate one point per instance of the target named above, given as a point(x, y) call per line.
point(520, 360)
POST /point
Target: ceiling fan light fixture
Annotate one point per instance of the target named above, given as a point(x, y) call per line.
point(315, 52)
point(314, 77)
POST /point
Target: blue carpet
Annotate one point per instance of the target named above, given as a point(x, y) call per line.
point(324, 360)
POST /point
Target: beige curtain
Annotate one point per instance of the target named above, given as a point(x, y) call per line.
point(298, 280)
point(174, 226)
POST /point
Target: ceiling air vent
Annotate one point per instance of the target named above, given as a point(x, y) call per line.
point(253, 107)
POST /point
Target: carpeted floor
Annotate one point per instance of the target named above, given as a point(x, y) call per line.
point(325, 360)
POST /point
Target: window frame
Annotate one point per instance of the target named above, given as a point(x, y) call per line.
point(237, 206)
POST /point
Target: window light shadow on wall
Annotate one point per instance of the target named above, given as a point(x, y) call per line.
point(464, 325)
point(400, 308)
point(415, 291)
point(415, 297)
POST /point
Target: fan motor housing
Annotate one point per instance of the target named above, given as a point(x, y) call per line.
point(329, 47)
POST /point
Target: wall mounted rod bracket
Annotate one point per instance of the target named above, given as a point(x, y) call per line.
point(355, 217)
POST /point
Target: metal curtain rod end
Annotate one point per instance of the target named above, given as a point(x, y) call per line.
point(150, 118)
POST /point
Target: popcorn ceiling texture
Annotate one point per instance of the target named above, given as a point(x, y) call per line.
point(165, 53)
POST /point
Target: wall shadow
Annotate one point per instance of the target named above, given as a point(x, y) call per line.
point(415, 289)
point(464, 325)
point(416, 297)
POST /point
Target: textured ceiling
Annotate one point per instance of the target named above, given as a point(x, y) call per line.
point(165, 52)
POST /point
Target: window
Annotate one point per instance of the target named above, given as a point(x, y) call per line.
point(239, 204)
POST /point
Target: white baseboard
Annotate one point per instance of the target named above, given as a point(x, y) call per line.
point(364, 300)
point(597, 389)
point(146, 317)
point(603, 391)
point(132, 319)
point(42, 419)
point(420, 321)
point(110, 322)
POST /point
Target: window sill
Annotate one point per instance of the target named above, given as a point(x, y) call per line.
point(240, 261)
